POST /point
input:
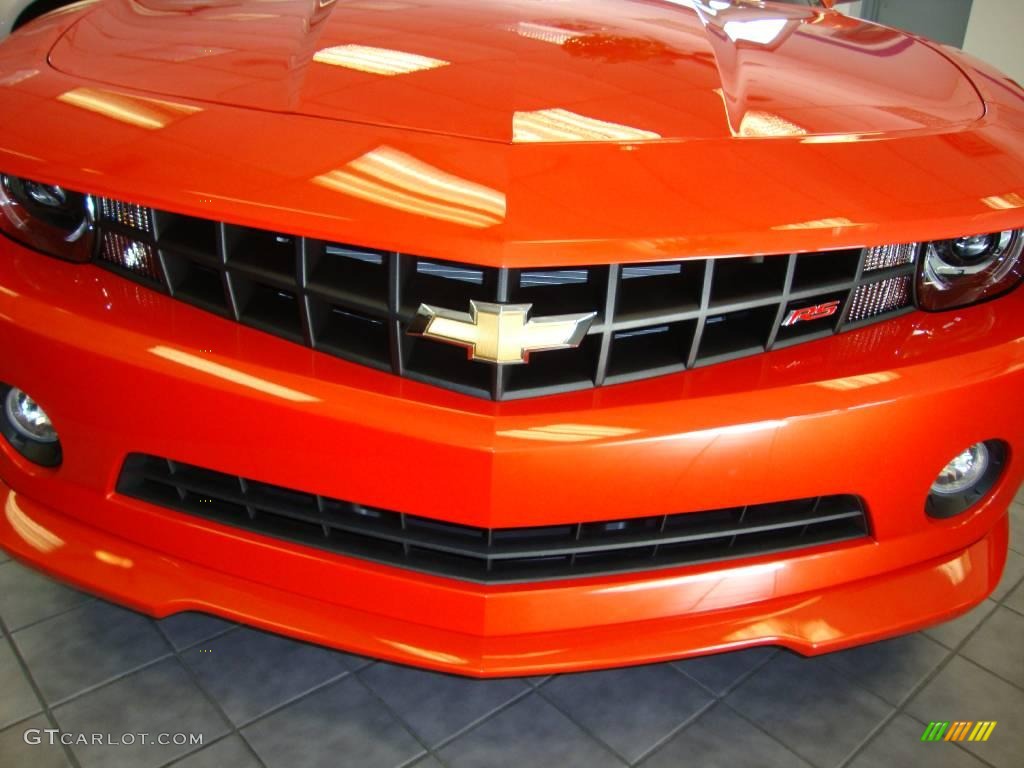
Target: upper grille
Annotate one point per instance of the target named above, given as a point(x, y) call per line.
point(496, 555)
point(356, 302)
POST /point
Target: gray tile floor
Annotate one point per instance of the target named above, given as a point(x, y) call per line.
point(76, 663)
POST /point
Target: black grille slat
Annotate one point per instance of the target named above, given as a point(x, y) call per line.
point(500, 555)
point(356, 302)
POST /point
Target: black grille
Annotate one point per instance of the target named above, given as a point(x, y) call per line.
point(357, 303)
point(499, 555)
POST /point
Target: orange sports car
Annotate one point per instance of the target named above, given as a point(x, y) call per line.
point(511, 337)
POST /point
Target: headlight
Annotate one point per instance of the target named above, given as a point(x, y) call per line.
point(47, 218)
point(966, 270)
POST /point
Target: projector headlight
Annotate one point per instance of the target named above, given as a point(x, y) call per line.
point(47, 218)
point(966, 270)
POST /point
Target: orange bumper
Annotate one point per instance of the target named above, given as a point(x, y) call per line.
point(814, 622)
point(874, 412)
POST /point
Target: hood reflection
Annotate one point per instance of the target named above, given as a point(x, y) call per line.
point(142, 112)
point(554, 125)
point(376, 61)
point(392, 178)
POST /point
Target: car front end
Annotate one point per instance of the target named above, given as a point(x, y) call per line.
point(369, 335)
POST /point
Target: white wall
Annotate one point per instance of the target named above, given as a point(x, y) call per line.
point(850, 9)
point(994, 33)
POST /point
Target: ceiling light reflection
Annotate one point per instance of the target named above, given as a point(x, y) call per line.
point(142, 112)
point(757, 572)
point(544, 33)
point(31, 532)
point(18, 76)
point(426, 653)
point(859, 382)
point(956, 570)
point(390, 177)
point(760, 31)
point(230, 374)
point(1004, 202)
point(838, 222)
point(567, 433)
point(555, 125)
point(109, 558)
point(376, 61)
point(834, 138)
point(733, 429)
point(758, 123)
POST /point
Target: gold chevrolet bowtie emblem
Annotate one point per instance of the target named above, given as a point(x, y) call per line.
point(500, 333)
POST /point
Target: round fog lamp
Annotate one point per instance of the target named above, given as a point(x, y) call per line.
point(963, 472)
point(28, 428)
point(965, 480)
point(28, 417)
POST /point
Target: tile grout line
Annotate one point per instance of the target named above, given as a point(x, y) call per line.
point(399, 719)
point(58, 614)
point(181, 758)
point(1018, 611)
point(764, 731)
point(188, 647)
point(124, 673)
point(721, 699)
point(68, 753)
point(713, 701)
point(111, 680)
point(296, 699)
point(237, 729)
point(682, 726)
point(735, 683)
point(900, 708)
point(315, 689)
point(600, 742)
point(484, 718)
point(233, 729)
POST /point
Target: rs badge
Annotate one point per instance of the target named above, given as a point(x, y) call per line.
point(817, 312)
point(500, 333)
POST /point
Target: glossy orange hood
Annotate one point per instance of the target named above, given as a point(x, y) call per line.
point(531, 71)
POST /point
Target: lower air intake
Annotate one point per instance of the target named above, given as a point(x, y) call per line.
point(497, 555)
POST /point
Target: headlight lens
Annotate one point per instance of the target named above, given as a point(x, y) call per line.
point(966, 270)
point(47, 218)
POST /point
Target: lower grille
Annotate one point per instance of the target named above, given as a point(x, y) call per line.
point(499, 555)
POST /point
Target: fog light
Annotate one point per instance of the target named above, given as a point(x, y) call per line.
point(28, 417)
point(28, 428)
point(963, 472)
point(966, 478)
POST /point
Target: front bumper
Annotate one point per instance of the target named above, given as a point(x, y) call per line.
point(874, 412)
point(814, 622)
